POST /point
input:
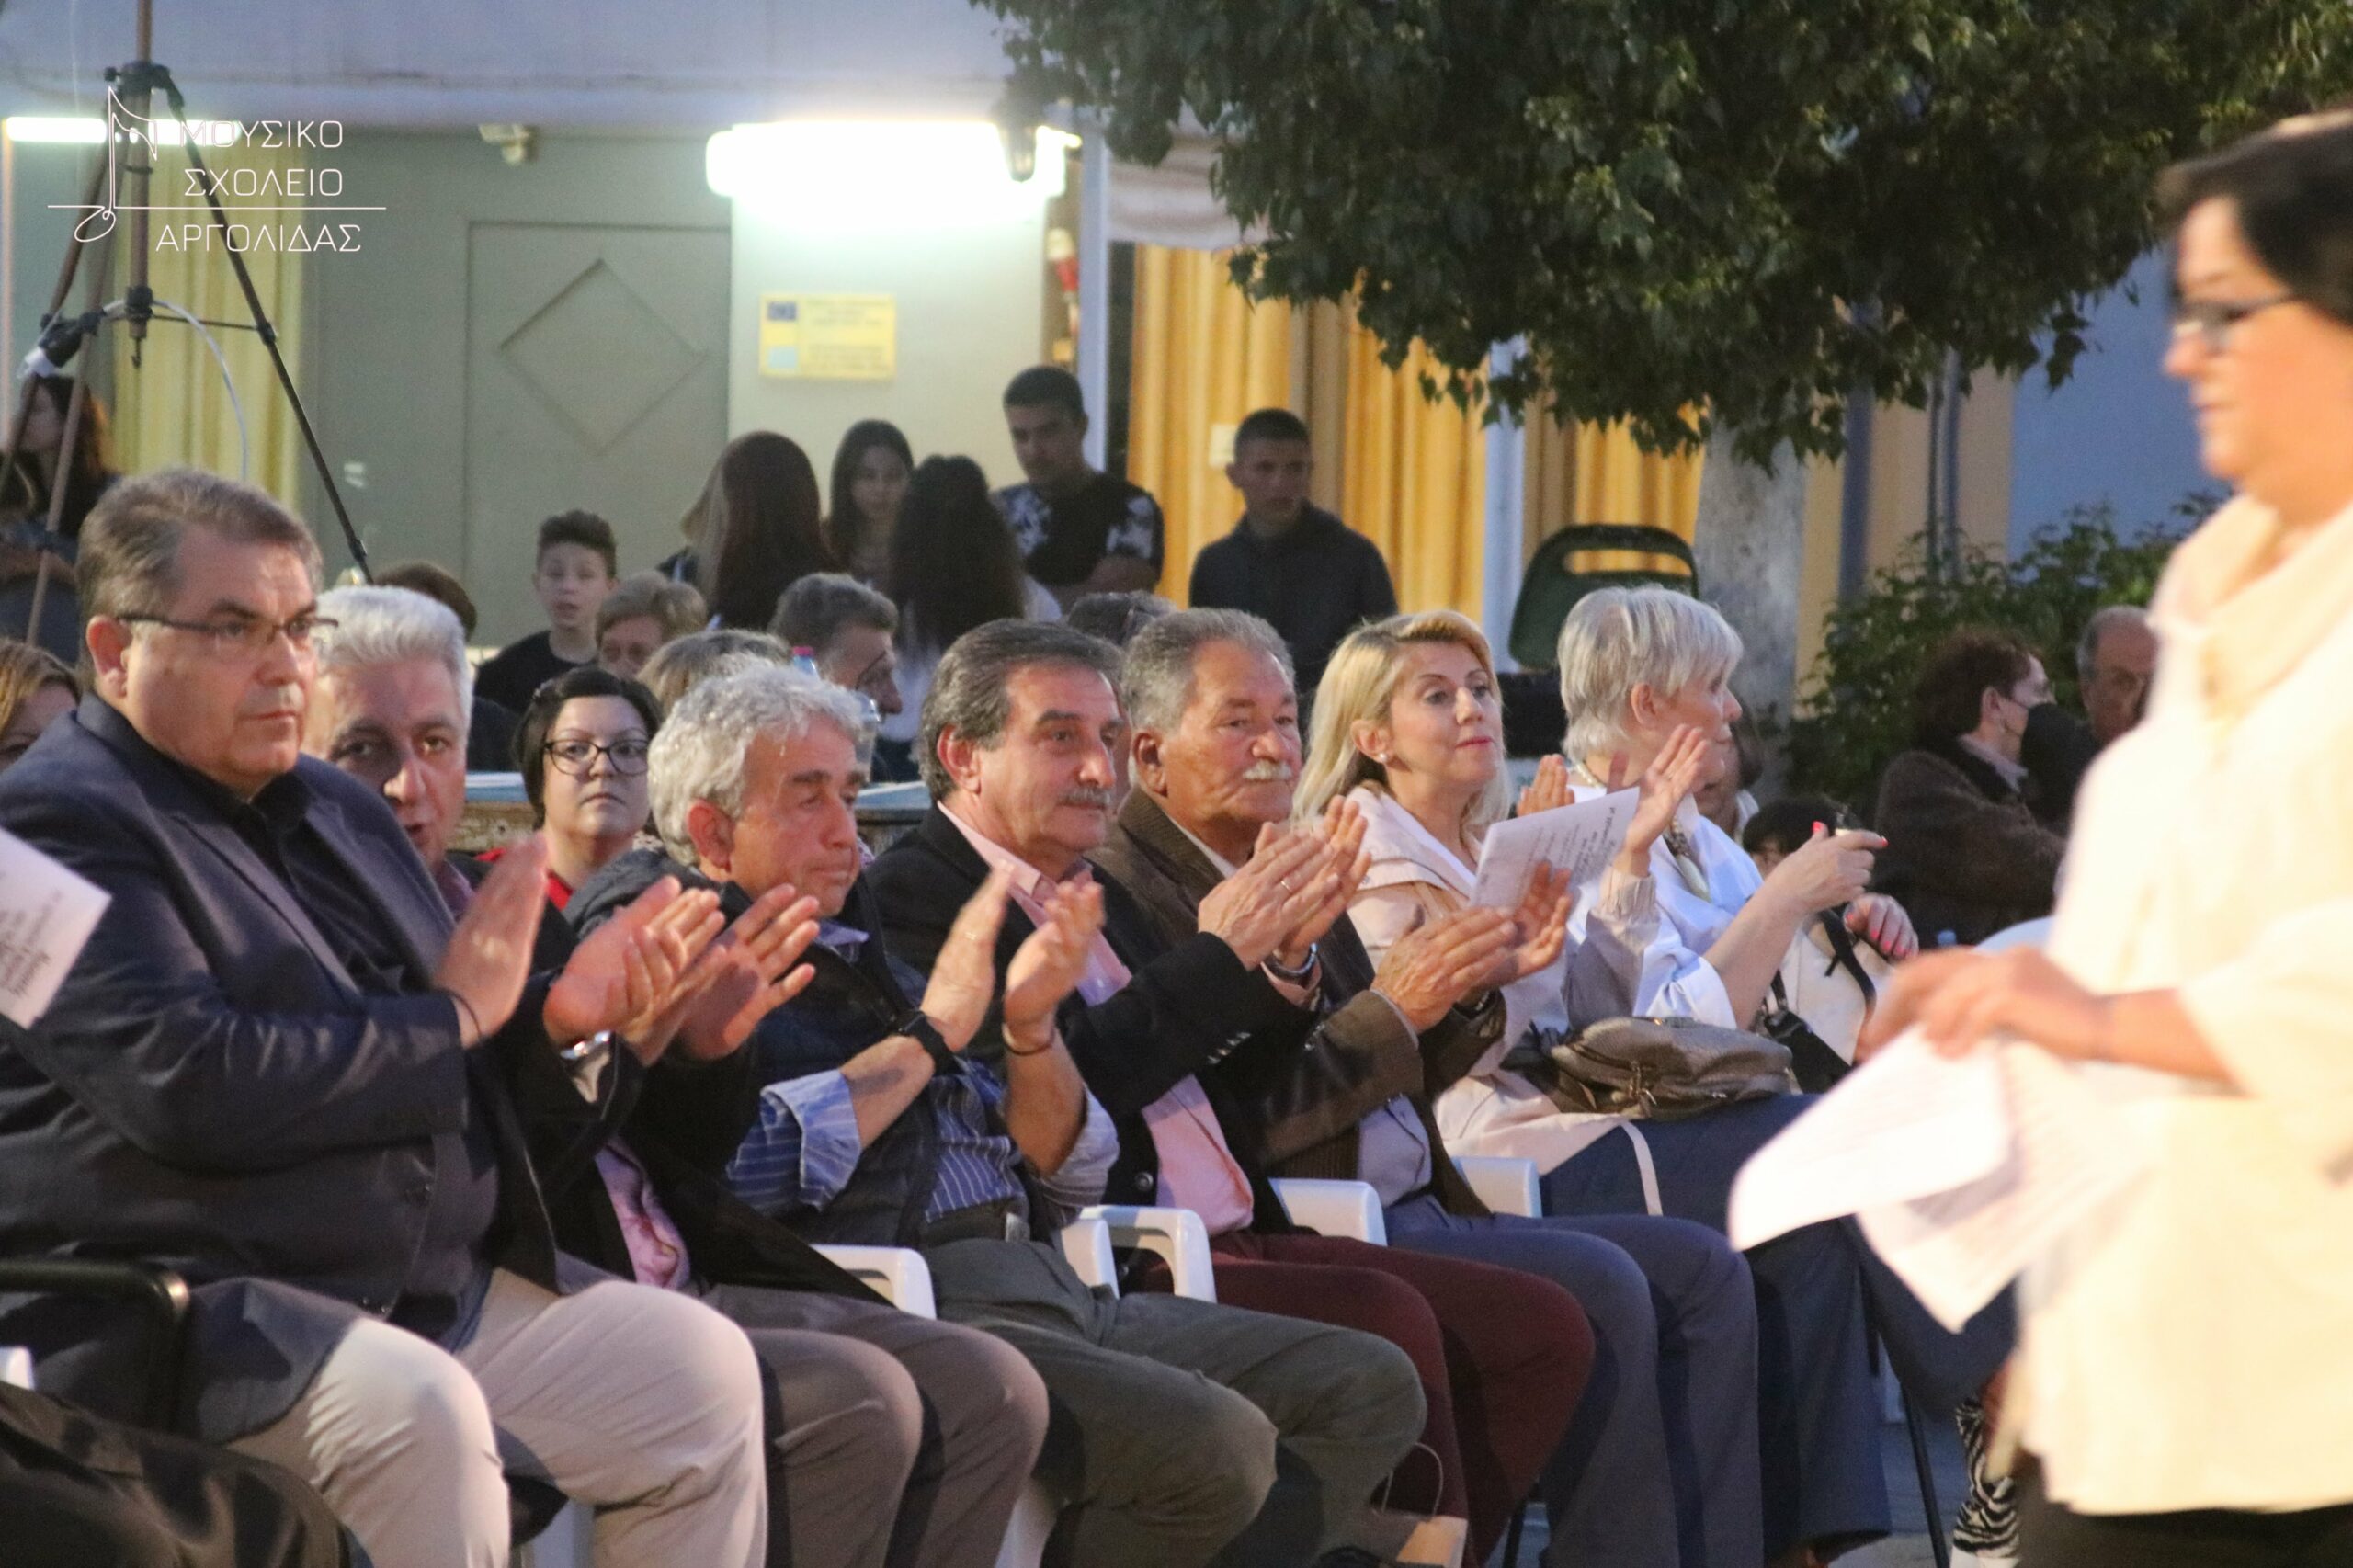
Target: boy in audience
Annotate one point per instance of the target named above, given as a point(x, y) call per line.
point(577, 563)
point(1079, 531)
point(1288, 561)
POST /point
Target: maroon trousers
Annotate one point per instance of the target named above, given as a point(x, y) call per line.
point(1503, 1355)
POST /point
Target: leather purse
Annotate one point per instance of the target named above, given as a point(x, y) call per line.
point(1666, 1069)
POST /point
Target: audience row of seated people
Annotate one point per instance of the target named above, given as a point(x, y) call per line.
point(518, 1166)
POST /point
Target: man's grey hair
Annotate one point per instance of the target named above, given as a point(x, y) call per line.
point(819, 607)
point(684, 663)
point(1156, 675)
point(1618, 639)
point(970, 691)
point(130, 542)
point(701, 753)
point(2087, 645)
point(392, 626)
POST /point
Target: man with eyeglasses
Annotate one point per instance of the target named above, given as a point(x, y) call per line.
point(847, 629)
point(280, 1069)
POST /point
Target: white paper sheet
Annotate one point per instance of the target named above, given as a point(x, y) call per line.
point(46, 914)
point(1908, 1123)
point(1960, 1173)
point(1579, 840)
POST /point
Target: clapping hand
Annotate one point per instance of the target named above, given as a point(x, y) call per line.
point(741, 978)
point(1548, 790)
point(1540, 927)
point(1673, 774)
point(489, 955)
point(1291, 875)
point(1432, 967)
point(963, 977)
point(625, 972)
point(1048, 966)
point(1342, 829)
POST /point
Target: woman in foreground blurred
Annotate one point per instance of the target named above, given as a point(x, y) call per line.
point(2186, 1387)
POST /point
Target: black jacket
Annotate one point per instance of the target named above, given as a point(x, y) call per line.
point(210, 1091)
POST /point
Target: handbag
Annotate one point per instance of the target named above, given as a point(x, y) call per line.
point(1664, 1069)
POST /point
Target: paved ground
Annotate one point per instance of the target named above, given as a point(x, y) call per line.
point(1899, 1551)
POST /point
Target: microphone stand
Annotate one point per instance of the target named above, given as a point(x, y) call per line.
point(139, 81)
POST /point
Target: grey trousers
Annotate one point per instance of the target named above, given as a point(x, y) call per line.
point(642, 1403)
point(1182, 1432)
point(906, 1442)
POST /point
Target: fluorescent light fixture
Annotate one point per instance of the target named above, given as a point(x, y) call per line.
point(882, 174)
point(90, 132)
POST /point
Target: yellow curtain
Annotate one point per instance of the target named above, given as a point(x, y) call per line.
point(1203, 358)
point(1414, 479)
point(173, 410)
point(1595, 473)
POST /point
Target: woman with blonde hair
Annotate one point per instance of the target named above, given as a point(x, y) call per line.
point(36, 690)
point(1408, 726)
point(2185, 1382)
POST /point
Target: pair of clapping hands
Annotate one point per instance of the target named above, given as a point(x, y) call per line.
point(1829, 870)
point(1301, 880)
point(668, 969)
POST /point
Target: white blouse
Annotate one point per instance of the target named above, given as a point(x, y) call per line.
point(1494, 1110)
point(2192, 1345)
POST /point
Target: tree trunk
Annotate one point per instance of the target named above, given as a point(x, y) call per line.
point(1751, 548)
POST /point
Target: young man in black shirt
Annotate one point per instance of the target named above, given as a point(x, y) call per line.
point(577, 563)
point(1287, 562)
point(1079, 531)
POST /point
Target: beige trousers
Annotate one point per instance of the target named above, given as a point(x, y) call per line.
point(642, 1403)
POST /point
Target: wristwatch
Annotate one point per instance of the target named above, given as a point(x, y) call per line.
point(917, 1026)
point(1298, 976)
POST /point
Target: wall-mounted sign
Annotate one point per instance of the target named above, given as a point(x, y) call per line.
point(831, 338)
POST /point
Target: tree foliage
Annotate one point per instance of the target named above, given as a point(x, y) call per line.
point(1692, 211)
point(1858, 711)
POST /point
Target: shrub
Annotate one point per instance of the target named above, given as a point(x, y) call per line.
point(1856, 712)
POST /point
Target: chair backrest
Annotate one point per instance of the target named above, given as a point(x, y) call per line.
point(1565, 570)
point(2025, 934)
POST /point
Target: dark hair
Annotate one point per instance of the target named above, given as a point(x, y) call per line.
point(1116, 618)
point(130, 546)
point(1787, 822)
point(1268, 424)
point(2292, 187)
point(585, 529)
point(1046, 386)
point(759, 528)
point(436, 583)
point(822, 606)
point(845, 529)
point(953, 564)
point(89, 473)
point(1949, 696)
point(970, 692)
point(539, 718)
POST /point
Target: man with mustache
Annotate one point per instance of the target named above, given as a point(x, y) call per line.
point(1155, 1012)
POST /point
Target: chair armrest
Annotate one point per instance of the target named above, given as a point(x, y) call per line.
point(1350, 1208)
point(1087, 1242)
point(1505, 1185)
point(899, 1275)
point(160, 1295)
point(1176, 1236)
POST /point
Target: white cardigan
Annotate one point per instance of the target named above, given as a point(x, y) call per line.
point(2192, 1346)
point(1494, 1110)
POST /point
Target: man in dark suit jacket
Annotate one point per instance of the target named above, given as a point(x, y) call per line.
point(1503, 1355)
point(896, 1438)
point(1216, 758)
point(277, 1069)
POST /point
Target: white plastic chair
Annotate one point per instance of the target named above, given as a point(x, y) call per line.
point(1505, 1185)
point(900, 1277)
point(2025, 934)
point(1349, 1208)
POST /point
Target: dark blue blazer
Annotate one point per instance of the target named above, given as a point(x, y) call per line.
point(210, 1091)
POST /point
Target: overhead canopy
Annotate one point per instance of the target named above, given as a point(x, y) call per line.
point(551, 63)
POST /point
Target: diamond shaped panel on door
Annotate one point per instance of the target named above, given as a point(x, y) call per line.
point(599, 356)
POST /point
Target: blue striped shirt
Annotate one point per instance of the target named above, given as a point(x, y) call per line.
point(804, 1147)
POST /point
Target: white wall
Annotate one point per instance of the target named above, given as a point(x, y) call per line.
point(971, 305)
